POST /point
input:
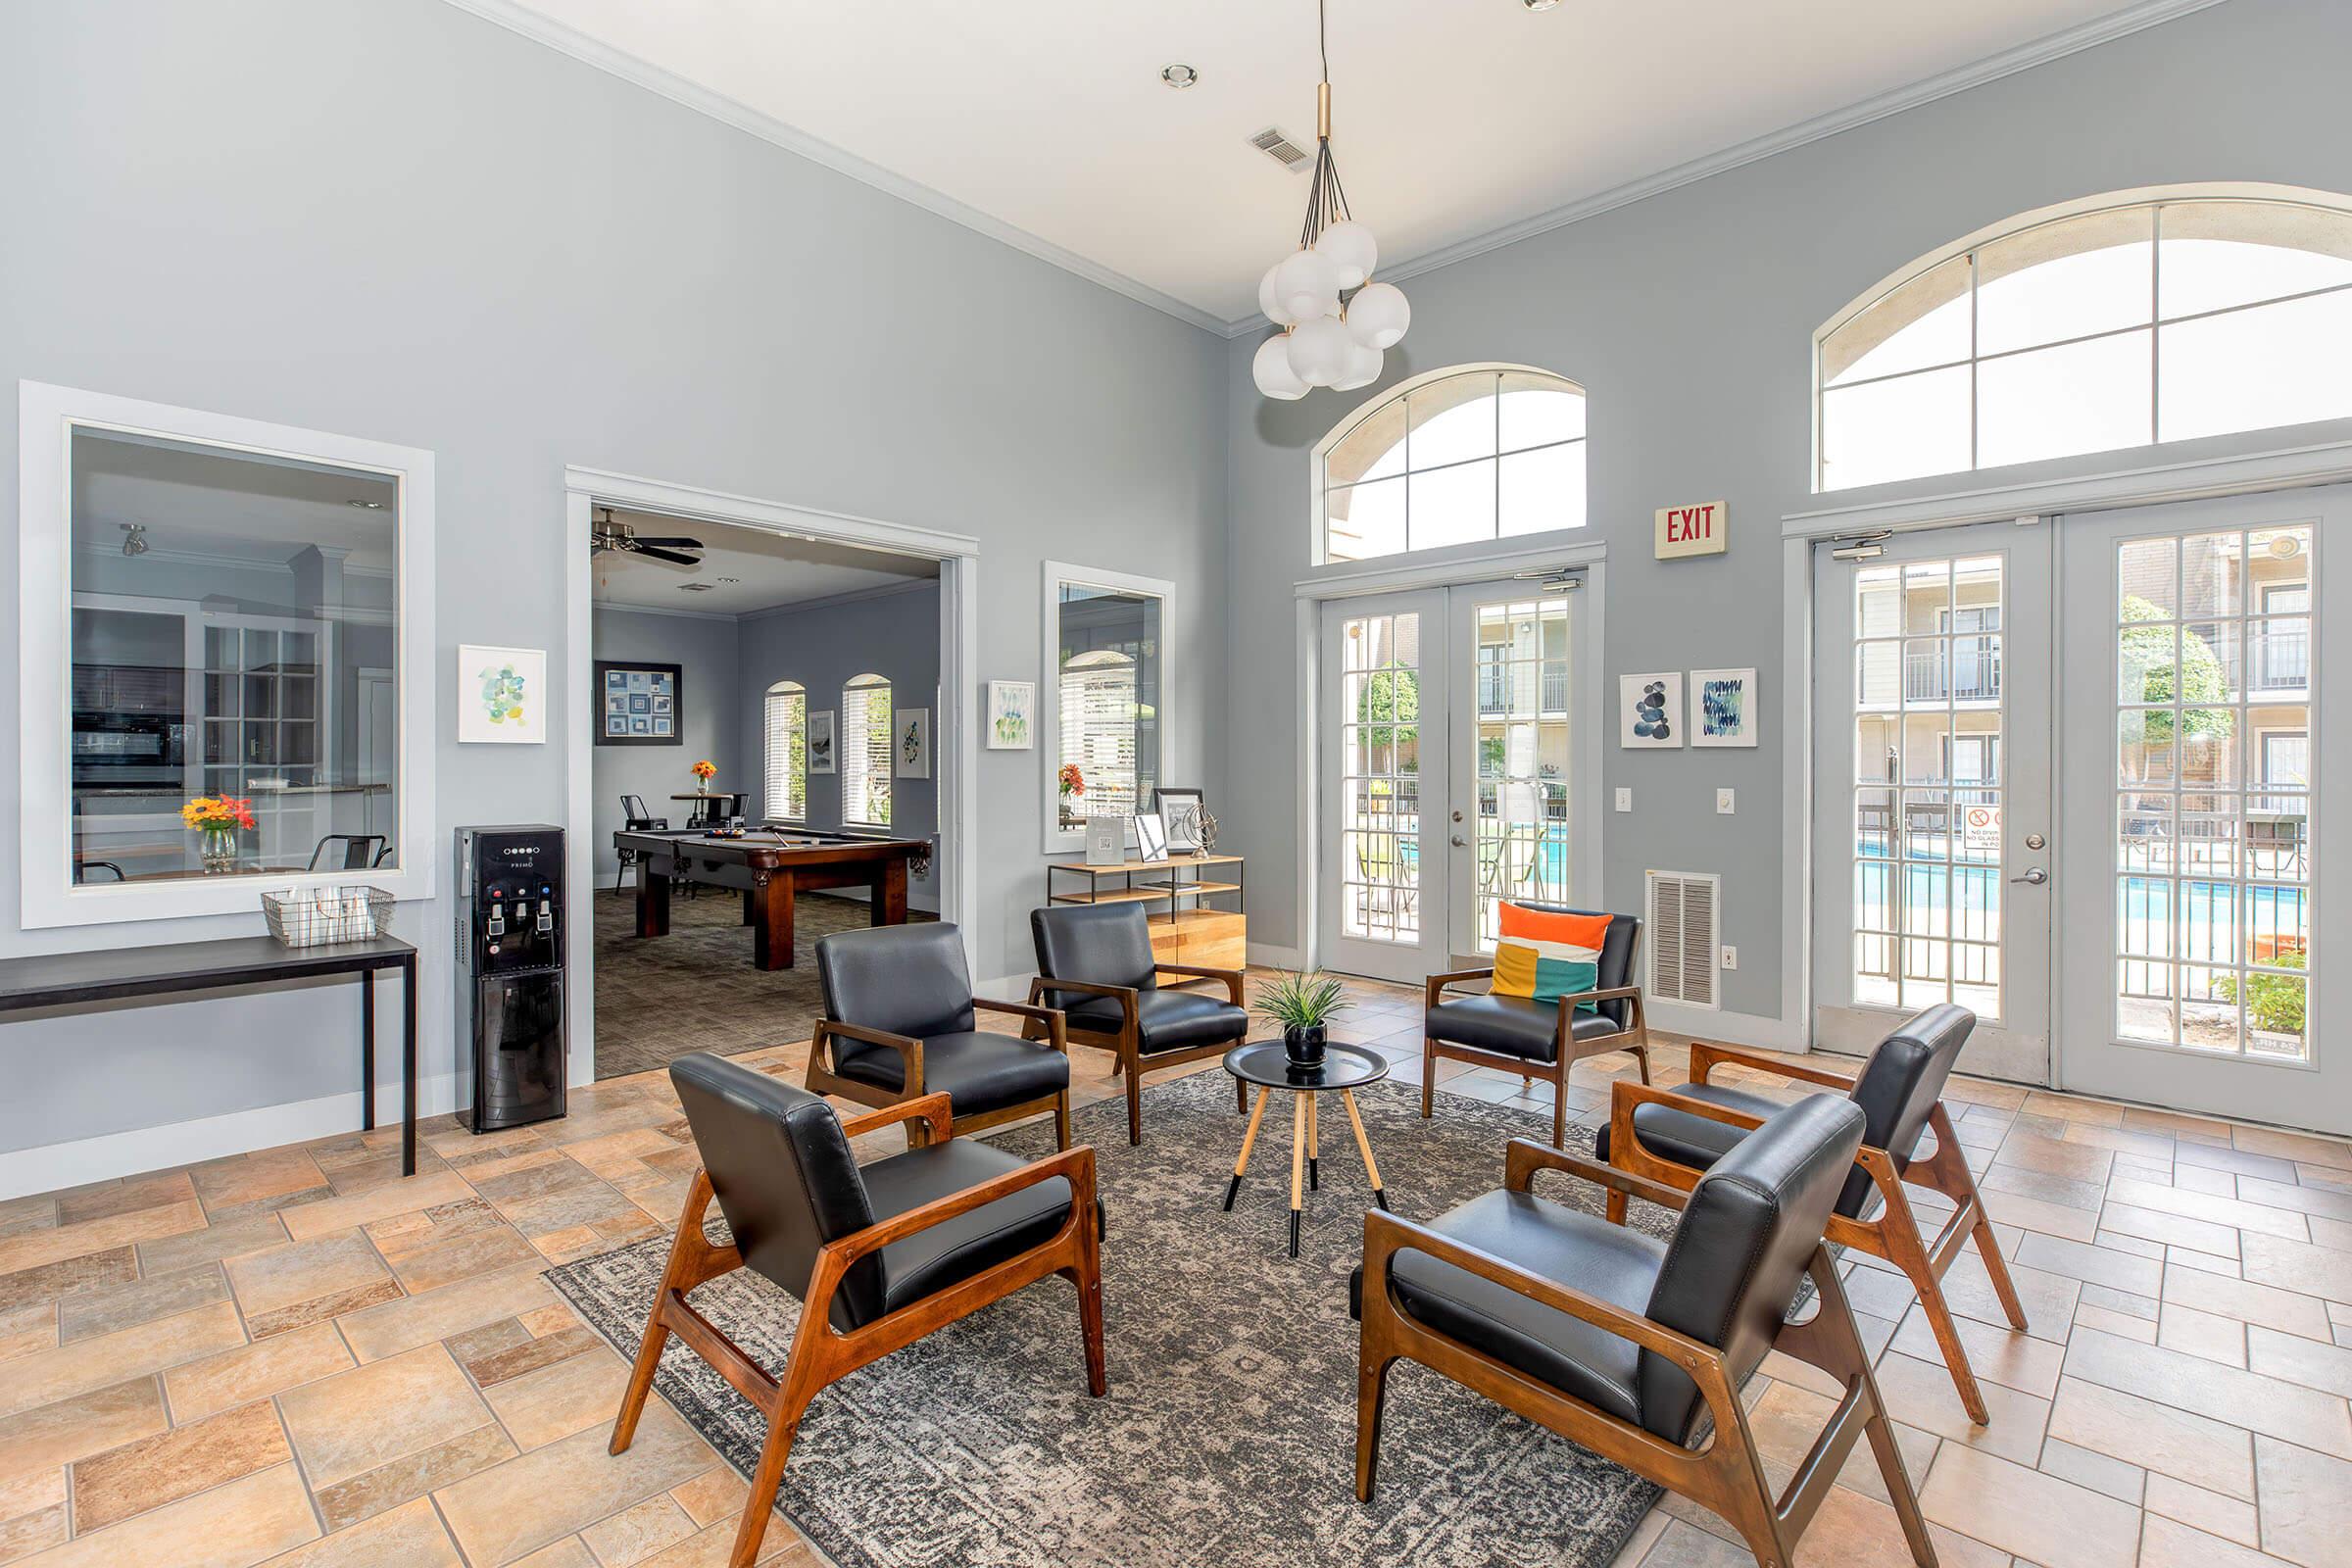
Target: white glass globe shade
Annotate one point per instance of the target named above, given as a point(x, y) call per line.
point(1319, 350)
point(1272, 369)
point(1270, 303)
point(1352, 249)
point(1307, 285)
point(1378, 315)
point(1363, 368)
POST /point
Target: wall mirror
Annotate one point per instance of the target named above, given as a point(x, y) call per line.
point(1106, 704)
point(233, 710)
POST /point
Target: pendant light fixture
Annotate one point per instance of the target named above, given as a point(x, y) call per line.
point(1336, 320)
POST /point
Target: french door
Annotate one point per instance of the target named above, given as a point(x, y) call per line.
point(1457, 754)
point(1932, 791)
point(2203, 727)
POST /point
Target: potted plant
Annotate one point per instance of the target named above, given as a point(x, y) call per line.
point(1304, 1002)
point(218, 819)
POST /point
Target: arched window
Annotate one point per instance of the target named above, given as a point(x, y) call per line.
point(2119, 322)
point(1457, 456)
point(865, 752)
point(787, 728)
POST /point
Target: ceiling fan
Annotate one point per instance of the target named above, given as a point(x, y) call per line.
point(620, 536)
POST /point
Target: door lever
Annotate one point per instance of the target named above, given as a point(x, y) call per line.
point(2034, 876)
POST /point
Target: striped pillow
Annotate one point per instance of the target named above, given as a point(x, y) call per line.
point(1544, 956)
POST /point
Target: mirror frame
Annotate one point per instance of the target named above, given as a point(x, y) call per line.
point(1059, 840)
point(47, 416)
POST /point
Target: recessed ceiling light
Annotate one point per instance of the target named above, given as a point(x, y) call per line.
point(730, 579)
point(368, 505)
point(1179, 76)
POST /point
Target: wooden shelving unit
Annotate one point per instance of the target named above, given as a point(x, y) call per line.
point(1186, 928)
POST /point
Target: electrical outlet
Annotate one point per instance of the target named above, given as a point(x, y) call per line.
point(1730, 956)
point(1625, 799)
point(1723, 802)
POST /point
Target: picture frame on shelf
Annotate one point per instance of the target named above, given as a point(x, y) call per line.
point(1106, 841)
point(1151, 835)
point(1182, 811)
point(637, 702)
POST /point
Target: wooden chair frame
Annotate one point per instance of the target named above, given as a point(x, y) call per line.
point(1892, 1234)
point(1567, 1050)
point(825, 1077)
point(1127, 1041)
point(821, 1353)
point(1727, 1475)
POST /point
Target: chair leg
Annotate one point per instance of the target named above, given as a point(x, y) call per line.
point(1988, 1248)
point(676, 1274)
point(1134, 1103)
point(1429, 1075)
point(1616, 1206)
point(1371, 1398)
point(1088, 1277)
point(768, 1476)
point(1061, 1120)
point(1948, 1334)
point(1642, 1059)
point(1559, 1106)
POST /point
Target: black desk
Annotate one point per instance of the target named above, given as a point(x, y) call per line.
point(72, 979)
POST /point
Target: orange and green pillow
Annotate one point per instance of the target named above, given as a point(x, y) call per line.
point(1543, 955)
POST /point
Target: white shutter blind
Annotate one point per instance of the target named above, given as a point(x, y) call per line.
point(865, 752)
point(787, 751)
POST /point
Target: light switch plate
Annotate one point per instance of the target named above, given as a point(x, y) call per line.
point(1730, 956)
point(1723, 802)
point(1625, 799)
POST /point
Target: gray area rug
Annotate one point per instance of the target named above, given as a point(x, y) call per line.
point(1227, 1439)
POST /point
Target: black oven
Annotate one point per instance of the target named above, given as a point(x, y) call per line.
point(115, 748)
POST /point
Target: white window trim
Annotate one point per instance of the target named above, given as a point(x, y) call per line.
point(1058, 839)
point(787, 687)
point(48, 896)
point(876, 683)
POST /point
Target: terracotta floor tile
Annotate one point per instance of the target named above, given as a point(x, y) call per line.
point(719, 1492)
point(2299, 1360)
point(2088, 1467)
point(2028, 1513)
point(2155, 1435)
point(2321, 1271)
point(153, 1471)
point(103, 1309)
point(35, 1248)
point(462, 1257)
point(255, 1371)
point(2208, 1207)
point(532, 1354)
point(570, 1553)
point(421, 1190)
point(48, 1438)
point(251, 1233)
point(27, 1328)
point(2173, 1230)
point(234, 1526)
point(2208, 1511)
point(636, 1534)
point(2288, 1311)
point(2223, 1392)
point(2169, 1544)
point(2306, 1505)
point(542, 1496)
point(2101, 1265)
point(304, 1270)
point(1920, 1394)
point(359, 1420)
point(417, 1320)
point(47, 1376)
point(2293, 1196)
point(406, 1537)
point(126, 1197)
point(2206, 1334)
point(2003, 1356)
point(413, 1475)
point(272, 1174)
point(2304, 1147)
point(572, 1395)
point(46, 1281)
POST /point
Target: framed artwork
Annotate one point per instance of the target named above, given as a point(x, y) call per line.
point(502, 695)
point(1180, 811)
point(639, 704)
point(1150, 837)
point(1723, 707)
point(820, 742)
point(1650, 711)
point(910, 743)
point(1012, 715)
point(1107, 840)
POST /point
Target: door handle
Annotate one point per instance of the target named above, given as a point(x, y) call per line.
point(2034, 876)
point(1458, 842)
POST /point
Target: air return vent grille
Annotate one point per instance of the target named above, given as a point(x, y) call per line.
point(1684, 926)
point(1284, 151)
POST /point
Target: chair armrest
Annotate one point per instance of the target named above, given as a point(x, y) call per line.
point(1435, 986)
point(1077, 1164)
point(1125, 995)
point(820, 1047)
point(1706, 1056)
point(1195, 971)
point(1564, 1024)
point(1627, 1151)
point(1051, 1017)
point(1525, 1156)
point(932, 1108)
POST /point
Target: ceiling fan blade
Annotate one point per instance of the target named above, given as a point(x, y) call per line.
point(671, 556)
point(682, 543)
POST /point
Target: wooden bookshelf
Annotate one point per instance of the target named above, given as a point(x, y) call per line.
point(1187, 926)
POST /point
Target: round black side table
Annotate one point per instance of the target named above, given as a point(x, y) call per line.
point(1342, 1070)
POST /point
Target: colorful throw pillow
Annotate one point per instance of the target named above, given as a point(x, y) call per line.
point(1544, 956)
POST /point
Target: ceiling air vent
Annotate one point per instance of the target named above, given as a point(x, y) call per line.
point(1683, 932)
point(1284, 151)
point(695, 587)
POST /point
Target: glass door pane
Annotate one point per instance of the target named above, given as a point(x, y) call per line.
point(1520, 757)
point(1384, 787)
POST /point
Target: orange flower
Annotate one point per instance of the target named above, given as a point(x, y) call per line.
point(706, 770)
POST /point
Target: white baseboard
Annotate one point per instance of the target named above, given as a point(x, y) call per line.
point(23, 1171)
point(1732, 1028)
point(1274, 957)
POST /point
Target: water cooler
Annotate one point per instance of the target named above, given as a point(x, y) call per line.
point(510, 971)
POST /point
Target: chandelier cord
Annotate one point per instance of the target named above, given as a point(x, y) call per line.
point(1327, 200)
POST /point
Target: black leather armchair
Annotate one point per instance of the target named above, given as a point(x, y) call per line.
point(1636, 1348)
point(878, 1256)
point(1673, 1134)
point(1095, 962)
point(1540, 1039)
point(901, 1022)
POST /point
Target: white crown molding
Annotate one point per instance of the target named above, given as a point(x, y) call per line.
point(603, 606)
point(847, 596)
point(516, 17)
point(2121, 24)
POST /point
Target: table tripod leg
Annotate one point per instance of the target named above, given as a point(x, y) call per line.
point(1249, 1141)
point(1363, 1147)
point(1299, 1105)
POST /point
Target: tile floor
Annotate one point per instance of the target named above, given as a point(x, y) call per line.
point(298, 1357)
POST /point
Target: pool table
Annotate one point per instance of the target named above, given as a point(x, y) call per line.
point(768, 866)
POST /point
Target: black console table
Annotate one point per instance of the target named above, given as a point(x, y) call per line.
point(112, 974)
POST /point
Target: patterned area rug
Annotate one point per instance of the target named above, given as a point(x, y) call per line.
point(1227, 1439)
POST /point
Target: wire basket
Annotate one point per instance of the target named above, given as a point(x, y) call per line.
point(312, 917)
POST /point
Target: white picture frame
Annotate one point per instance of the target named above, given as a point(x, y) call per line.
point(1012, 715)
point(910, 743)
point(1650, 711)
point(1106, 841)
point(502, 695)
point(1151, 835)
point(824, 755)
point(1723, 707)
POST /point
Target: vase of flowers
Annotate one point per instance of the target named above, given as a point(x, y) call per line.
point(1304, 1002)
point(1073, 782)
point(217, 820)
point(704, 772)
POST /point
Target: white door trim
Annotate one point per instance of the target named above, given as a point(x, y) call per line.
point(586, 489)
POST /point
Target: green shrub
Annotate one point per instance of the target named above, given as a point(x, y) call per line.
point(2274, 1001)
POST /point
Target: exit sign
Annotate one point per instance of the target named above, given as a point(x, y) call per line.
point(1700, 530)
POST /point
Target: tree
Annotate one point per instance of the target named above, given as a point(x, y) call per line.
point(2148, 651)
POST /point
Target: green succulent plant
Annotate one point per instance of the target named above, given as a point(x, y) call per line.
point(1302, 999)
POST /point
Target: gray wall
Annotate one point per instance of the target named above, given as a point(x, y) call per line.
point(704, 649)
point(397, 221)
point(1688, 319)
point(894, 635)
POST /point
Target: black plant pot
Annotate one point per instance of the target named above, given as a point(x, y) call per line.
point(1304, 1046)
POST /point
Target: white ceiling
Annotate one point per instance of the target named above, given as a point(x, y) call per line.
point(769, 569)
point(1453, 118)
